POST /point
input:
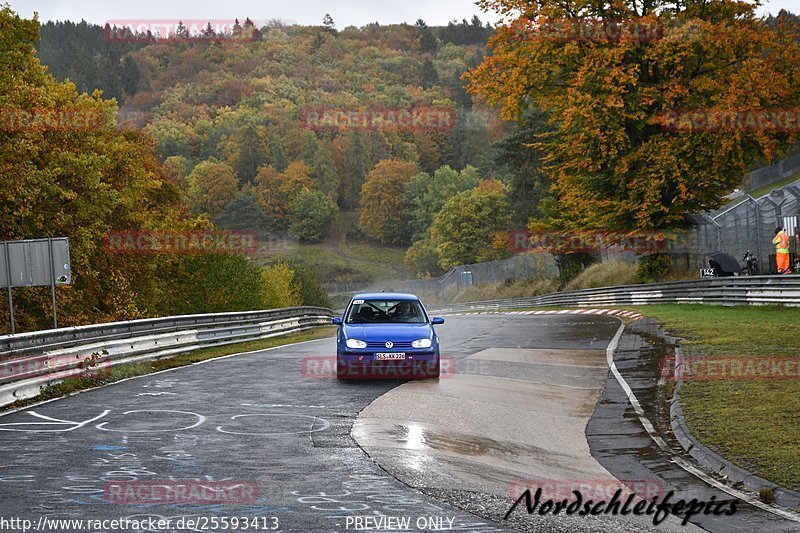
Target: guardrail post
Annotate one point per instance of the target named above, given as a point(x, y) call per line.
point(52, 281)
point(10, 297)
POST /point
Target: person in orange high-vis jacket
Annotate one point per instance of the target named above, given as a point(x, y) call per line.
point(781, 242)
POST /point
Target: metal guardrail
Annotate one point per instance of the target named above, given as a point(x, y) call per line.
point(737, 290)
point(30, 361)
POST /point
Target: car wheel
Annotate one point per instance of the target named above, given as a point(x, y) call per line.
point(341, 370)
point(435, 370)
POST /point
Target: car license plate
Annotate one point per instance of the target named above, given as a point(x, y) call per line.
point(395, 356)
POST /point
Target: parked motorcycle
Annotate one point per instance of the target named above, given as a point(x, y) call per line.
point(750, 265)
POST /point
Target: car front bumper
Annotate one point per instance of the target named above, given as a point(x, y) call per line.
point(362, 364)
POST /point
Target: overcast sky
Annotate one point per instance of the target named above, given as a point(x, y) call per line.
point(344, 12)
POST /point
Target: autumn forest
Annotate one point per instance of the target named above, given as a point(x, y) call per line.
point(437, 140)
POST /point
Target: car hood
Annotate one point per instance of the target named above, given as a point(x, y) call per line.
point(384, 332)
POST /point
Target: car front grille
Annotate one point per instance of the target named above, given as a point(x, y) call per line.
point(382, 345)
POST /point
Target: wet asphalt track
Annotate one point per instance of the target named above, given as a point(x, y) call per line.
point(262, 420)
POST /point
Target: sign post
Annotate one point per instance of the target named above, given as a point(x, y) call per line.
point(35, 263)
point(8, 277)
point(52, 281)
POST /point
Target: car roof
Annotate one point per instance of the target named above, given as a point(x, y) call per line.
point(385, 296)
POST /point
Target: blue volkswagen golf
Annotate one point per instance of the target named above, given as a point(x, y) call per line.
point(386, 335)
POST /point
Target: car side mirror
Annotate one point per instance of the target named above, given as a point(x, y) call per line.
point(437, 320)
point(336, 321)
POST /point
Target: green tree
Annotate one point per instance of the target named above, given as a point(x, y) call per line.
point(181, 32)
point(130, 75)
point(279, 287)
point(324, 172)
point(310, 290)
point(211, 283)
point(244, 213)
point(91, 60)
point(422, 259)
point(176, 168)
point(428, 76)
point(472, 137)
point(425, 195)
point(427, 40)
point(329, 24)
point(521, 165)
point(465, 229)
point(251, 155)
point(312, 215)
point(355, 166)
point(212, 186)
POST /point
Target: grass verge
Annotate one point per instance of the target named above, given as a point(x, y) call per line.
point(607, 274)
point(364, 263)
point(120, 372)
point(507, 289)
point(754, 423)
point(345, 256)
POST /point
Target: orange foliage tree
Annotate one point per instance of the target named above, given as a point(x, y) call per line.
point(277, 190)
point(382, 201)
point(618, 79)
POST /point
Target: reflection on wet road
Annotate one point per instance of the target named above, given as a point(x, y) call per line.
point(511, 413)
point(255, 421)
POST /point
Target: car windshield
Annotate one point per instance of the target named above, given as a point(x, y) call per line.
point(386, 312)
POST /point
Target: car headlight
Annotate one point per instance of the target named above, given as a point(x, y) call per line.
point(421, 343)
point(355, 343)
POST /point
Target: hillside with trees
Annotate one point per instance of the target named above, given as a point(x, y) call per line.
point(95, 180)
point(264, 128)
point(230, 121)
